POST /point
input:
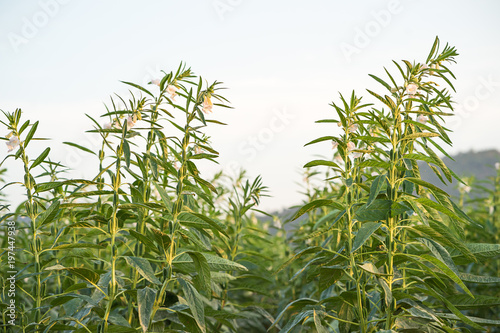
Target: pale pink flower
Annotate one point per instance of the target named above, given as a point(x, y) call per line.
point(424, 66)
point(13, 143)
point(108, 125)
point(335, 144)
point(357, 154)
point(351, 146)
point(131, 120)
point(353, 128)
point(411, 89)
point(171, 89)
point(156, 82)
point(338, 158)
point(422, 119)
point(207, 105)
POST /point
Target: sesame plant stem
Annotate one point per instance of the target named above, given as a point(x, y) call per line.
point(31, 210)
point(112, 289)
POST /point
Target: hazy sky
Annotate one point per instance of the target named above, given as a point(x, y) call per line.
point(283, 62)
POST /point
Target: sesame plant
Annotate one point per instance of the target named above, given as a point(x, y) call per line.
point(385, 255)
point(144, 245)
point(481, 201)
point(150, 243)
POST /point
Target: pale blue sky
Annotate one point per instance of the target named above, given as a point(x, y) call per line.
point(281, 60)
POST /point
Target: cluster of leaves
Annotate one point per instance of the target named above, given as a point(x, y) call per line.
point(382, 249)
point(147, 244)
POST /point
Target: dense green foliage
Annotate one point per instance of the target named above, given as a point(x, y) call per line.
point(150, 245)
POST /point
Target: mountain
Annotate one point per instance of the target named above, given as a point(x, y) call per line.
point(478, 165)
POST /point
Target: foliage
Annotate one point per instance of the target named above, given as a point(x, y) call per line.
point(385, 246)
point(150, 245)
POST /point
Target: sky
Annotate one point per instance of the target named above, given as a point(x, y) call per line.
point(282, 61)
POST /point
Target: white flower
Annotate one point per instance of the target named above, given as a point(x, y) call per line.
point(156, 82)
point(335, 144)
point(13, 143)
point(424, 66)
point(207, 105)
point(350, 146)
point(356, 155)
point(422, 119)
point(277, 223)
point(171, 89)
point(108, 126)
point(131, 120)
point(465, 188)
point(497, 165)
point(353, 128)
point(434, 66)
point(411, 89)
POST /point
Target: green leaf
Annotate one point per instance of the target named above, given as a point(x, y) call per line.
point(48, 215)
point(144, 240)
point(78, 246)
point(312, 205)
point(382, 82)
point(202, 269)
point(139, 87)
point(375, 188)
point(205, 220)
point(478, 279)
point(439, 252)
point(145, 302)
point(215, 263)
point(30, 134)
point(195, 302)
point(379, 209)
point(324, 138)
point(476, 320)
point(426, 184)
point(313, 249)
point(364, 233)
point(84, 274)
point(40, 158)
point(79, 147)
point(478, 301)
point(126, 153)
point(295, 306)
point(417, 135)
point(446, 270)
point(323, 163)
point(479, 250)
point(144, 268)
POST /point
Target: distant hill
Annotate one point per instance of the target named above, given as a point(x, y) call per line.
point(480, 165)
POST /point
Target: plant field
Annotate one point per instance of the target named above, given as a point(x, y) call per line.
point(151, 244)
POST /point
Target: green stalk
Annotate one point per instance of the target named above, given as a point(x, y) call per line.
point(113, 230)
point(31, 211)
